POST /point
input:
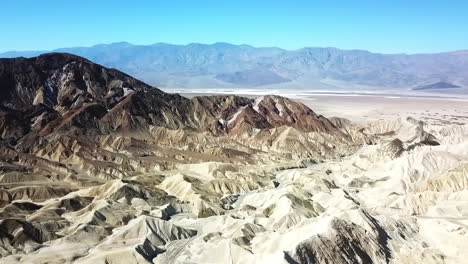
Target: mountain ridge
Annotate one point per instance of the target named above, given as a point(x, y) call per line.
point(61, 91)
point(219, 65)
point(126, 43)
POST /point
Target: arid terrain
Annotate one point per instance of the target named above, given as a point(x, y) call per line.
point(98, 167)
point(361, 109)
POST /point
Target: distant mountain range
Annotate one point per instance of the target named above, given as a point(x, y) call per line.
point(437, 86)
point(223, 65)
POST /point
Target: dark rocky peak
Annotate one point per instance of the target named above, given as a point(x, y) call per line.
point(272, 111)
point(62, 81)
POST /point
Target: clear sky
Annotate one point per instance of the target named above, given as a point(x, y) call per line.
point(388, 26)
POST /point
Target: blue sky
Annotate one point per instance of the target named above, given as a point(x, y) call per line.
point(388, 26)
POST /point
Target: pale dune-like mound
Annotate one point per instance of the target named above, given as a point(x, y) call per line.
point(141, 240)
point(397, 200)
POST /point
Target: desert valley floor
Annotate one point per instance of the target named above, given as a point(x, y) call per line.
point(105, 176)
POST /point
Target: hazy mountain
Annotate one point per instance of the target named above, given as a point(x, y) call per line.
point(437, 86)
point(227, 65)
point(254, 77)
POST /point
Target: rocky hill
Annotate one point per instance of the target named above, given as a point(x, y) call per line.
point(72, 92)
point(58, 101)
